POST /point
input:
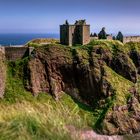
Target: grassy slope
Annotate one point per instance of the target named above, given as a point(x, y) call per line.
point(121, 85)
point(24, 117)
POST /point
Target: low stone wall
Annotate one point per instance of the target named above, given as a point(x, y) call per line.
point(15, 53)
point(131, 39)
point(126, 39)
point(93, 38)
point(109, 37)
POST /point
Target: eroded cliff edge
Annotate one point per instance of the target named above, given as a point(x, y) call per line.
point(103, 75)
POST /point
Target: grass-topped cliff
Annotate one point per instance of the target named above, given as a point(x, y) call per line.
point(27, 117)
point(59, 88)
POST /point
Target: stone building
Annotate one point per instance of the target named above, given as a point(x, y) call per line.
point(131, 39)
point(79, 33)
point(109, 37)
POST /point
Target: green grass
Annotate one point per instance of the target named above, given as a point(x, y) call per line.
point(25, 117)
point(38, 41)
point(113, 46)
point(105, 42)
point(43, 118)
point(132, 46)
point(82, 55)
point(121, 94)
point(120, 85)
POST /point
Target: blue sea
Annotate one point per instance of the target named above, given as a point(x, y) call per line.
point(22, 38)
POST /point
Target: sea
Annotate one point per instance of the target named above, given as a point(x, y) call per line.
point(22, 38)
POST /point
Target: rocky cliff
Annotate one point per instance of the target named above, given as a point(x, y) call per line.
point(103, 75)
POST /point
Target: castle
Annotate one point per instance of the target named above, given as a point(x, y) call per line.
point(79, 33)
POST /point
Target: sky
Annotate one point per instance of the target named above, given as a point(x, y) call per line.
point(45, 16)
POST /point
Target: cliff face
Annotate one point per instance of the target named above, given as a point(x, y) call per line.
point(2, 74)
point(104, 75)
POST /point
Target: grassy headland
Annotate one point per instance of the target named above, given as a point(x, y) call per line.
point(27, 117)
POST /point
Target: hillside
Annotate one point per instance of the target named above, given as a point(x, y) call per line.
point(86, 87)
point(103, 75)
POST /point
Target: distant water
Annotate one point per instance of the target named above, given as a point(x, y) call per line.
point(20, 39)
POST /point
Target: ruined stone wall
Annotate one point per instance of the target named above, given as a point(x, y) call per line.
point(64, 34)
point(94, 38)
point(14, 53)
point(86, 34)
point(110, 37)
point(78, 35)
point(131, 39)
point(74, 34)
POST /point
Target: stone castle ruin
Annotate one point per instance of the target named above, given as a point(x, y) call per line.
point(79, 33)
point(127, 39)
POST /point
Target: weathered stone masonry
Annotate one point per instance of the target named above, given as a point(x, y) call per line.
point(79, 33)
point(131, 39)
point(15, 53)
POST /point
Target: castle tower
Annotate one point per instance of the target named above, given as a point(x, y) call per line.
point(79, 33)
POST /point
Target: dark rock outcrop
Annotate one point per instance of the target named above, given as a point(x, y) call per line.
point(135, 56)
point(134, 53)
point(122, 64)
